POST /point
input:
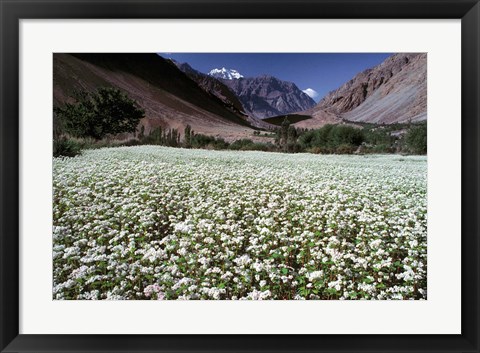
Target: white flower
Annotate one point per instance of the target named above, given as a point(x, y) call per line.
point(156, 222)
point(183, 227)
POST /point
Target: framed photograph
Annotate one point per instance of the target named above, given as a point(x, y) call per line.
point(239, 176)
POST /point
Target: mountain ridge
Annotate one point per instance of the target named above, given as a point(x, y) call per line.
point(216, 87)
point(393, 91)
point(266, 96)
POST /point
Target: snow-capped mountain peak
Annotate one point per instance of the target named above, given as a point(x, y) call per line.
point(226, 74)
point(311, 93)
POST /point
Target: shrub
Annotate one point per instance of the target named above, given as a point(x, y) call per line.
point(306, 140)
point(416, 139)
point(256, 146)
point(345, 149)
point(66, 147)
point(201, 141)
point(220, 144)
point(342, 135)
point(240, 144)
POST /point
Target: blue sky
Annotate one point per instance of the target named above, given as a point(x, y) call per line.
point(322, 72)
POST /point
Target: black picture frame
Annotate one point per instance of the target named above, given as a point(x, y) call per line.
point(13, 10)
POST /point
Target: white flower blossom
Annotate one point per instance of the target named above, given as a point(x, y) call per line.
point(161, 223)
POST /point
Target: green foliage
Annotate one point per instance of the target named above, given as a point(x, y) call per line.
point(210, 142)
point(155, 137)
point(416, 139)
point(330, 139)
point(306, 139)
point(343, 139)
point(258, 146)
point(65, 147)
point(394, 138)
point(240, 144)
point(286, 137)
point(172, 138)
point(345, 148)
point(378, 136)
point(107, 111)
point(249, 145)
point(188, 134)
point(345, 135)
point(379, 149)
point(162, 137)
point(220, 144)
point(200, 140)
point(283, 139)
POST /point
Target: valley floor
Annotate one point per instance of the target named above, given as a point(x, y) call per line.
point(151, 222)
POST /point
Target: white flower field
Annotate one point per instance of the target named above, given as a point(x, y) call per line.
point(153, 222)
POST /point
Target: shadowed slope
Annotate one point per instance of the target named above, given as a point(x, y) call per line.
point(169, 97)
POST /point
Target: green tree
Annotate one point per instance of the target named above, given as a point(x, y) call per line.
point(292, 139)
point(65, 147)
point(322, 136)
point(98, 114)
point(345, 135)
point(283, 138)
point(416, 139)
point(306, 139)
point(188, 136)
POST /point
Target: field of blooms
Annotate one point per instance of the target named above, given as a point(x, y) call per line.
point(154, 222)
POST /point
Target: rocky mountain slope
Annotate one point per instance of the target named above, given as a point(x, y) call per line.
point(213, 86)
point(266, 96)
point(170, 98)
point(394, 91)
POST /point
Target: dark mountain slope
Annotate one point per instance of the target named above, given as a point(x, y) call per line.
point(212, 86)
point(169, 97)
point(161, 74)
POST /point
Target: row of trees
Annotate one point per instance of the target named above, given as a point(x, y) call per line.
point(172, 138)
point(332, 139)
point(345, 139)
point(159, 136)
point(108, 112)
point(195, 140)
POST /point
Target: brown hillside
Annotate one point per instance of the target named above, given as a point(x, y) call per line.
point(394, 91)
point(169, 97)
